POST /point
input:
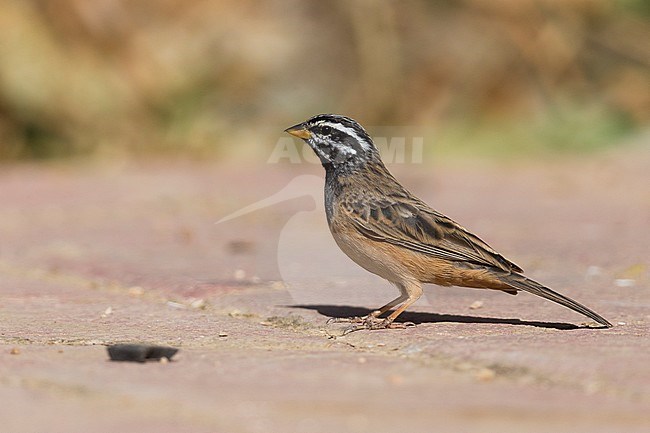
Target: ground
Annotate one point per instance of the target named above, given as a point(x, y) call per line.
point(93, 254)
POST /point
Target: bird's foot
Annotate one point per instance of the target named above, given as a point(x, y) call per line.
point(372, 323)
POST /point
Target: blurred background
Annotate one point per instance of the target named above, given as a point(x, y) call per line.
point(127, 79)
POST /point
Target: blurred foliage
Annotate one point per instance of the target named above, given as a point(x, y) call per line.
point(126, 77)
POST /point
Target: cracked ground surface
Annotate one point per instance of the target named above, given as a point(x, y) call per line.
point(98, 254)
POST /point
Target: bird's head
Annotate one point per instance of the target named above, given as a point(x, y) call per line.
point(338, 141)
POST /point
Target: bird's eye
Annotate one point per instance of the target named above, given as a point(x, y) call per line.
point(326, 130)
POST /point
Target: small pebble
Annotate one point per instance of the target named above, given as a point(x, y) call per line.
point(241, 246)
point(199, 304)
point(15, 351)
point(239, 274)
point(590, 325)
point(395, 379)
point(622, 323)
point(593, 271)
point(362, 360)
point(278, 285)
point(624, 282)
point(136, 291)
point(485, 375)
point(476, 305)
point(176, 305)
point(223, 334)
point(592, 387)
point(107, 312)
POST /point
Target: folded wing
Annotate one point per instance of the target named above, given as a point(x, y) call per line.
point(412, 224)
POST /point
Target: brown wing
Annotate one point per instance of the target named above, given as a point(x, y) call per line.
point(410, 223)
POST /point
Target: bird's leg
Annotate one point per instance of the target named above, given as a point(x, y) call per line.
point(375, 314)
point(401, 298)
point(411, 290)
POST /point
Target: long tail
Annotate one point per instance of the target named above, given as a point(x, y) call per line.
point(521, 282)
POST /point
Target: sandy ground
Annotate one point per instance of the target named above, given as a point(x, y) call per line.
point(97, 254)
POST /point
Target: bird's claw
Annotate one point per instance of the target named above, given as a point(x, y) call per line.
point(369, 322)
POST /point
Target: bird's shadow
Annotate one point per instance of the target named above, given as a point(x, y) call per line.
point(342, 311)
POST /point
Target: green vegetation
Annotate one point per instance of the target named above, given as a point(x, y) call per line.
point(219, 78)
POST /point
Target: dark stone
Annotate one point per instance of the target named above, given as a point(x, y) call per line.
point(139, 352)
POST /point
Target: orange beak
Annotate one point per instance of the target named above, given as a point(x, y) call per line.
point(299, 131)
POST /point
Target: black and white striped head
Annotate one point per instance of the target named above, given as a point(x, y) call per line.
point(337, 140)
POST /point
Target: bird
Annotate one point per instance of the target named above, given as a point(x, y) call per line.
point(390, 232)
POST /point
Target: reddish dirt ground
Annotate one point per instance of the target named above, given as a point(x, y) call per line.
point(97, 254)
